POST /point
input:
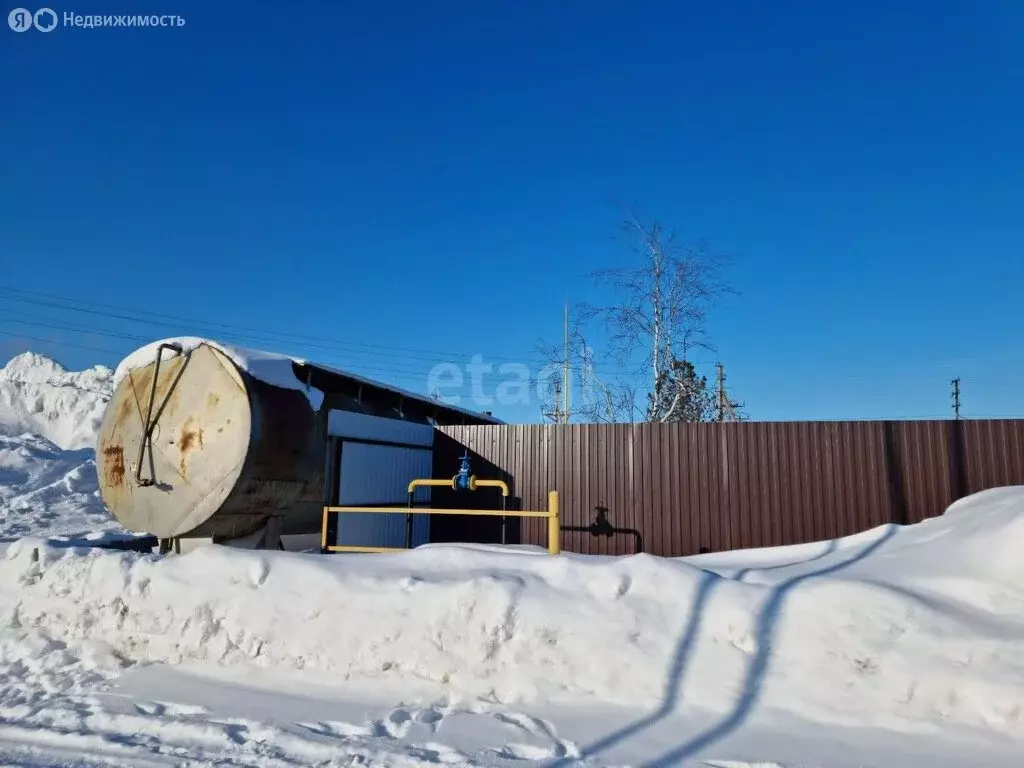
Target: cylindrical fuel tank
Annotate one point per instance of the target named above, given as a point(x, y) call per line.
point(225, 452)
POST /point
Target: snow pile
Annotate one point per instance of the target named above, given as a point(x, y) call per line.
point(44, 490)
point(909, 629)
point(48, 422)
point(266, 366)
point(38, 396)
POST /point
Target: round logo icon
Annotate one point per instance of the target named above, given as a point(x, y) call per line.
point(45, 19)
point(20, 19)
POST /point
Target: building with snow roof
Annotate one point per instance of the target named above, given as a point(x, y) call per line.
point(205, 441)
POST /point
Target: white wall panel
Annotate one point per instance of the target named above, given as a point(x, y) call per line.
point(365, 427)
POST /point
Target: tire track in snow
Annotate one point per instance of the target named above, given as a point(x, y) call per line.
point(52, 713)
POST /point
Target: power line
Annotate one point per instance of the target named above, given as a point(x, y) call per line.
point(404, 373)
point(919, 417)
point(60, 343)
point(250, 335)
point(225, 332)
point(401, 366)
point(396, 373)
point(396, 363)
point(359, 369)
point(67, 327)
point(96, 308)
point(89, 330)
point(120, 354)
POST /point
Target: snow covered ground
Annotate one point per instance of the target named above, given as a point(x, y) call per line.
point(897, 647)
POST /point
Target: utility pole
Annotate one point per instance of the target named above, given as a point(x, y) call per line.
point(720, 390)
point(555, 414)
point(724, 406)
point(559, 412)
point(565, 372)
point(956, 397)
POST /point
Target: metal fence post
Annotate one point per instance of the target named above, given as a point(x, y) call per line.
point(554, 528)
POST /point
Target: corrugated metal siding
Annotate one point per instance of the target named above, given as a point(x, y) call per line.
point(687, 487)
point(379, 475)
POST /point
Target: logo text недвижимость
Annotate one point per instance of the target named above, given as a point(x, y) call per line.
point(47, 20)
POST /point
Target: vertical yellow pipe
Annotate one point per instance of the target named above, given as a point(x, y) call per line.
point(554, 529)
point(323, 532)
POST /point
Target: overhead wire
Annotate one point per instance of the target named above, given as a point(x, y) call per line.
point(61, 343)
point(411, 369)
point(120, 354)
point(321, 342)
point(942, 416)
point(224, 333)
point(249, 334)
point(135, 315)
point(34, 321)
point(405, 366)
point(397, 370)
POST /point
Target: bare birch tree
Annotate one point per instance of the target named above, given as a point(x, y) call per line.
point(594, 397)
point(654, 324)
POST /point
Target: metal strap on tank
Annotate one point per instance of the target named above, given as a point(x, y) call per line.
point(151, 420)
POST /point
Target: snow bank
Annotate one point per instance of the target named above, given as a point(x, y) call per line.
point(910, 629)
point(38, 396)
point(266, 366)
point(44, 490)
point(48, 422)
point(980, 537)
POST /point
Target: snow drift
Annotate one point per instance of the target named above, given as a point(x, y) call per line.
point(38, 396)
point(903, 628)
point(44, 490)
point(48, 422)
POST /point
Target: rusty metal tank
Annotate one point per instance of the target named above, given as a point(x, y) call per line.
point(210, 451)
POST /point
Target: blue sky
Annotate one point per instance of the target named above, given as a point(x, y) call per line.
point(416, 183)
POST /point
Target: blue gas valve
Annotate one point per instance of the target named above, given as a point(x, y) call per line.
point(464, 480)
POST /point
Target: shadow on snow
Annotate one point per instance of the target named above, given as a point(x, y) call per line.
point(757, 668)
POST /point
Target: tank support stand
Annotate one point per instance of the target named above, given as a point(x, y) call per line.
point(272, 533)
point(169, 545)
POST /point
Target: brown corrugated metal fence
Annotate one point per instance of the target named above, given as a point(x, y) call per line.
point(677, 489)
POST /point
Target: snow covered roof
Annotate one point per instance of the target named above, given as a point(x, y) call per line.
point(280, 370)
point(429, 402)
point(266, 366)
